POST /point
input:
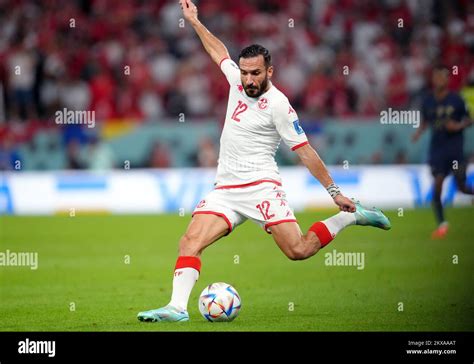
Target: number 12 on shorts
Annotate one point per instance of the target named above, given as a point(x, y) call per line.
point(263, 207)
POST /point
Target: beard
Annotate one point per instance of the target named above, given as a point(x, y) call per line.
point(255, 91)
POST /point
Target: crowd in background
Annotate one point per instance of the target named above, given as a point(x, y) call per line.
point(139, 60)
point(135, 59)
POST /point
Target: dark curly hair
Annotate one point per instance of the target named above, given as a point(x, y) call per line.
point(255, 50)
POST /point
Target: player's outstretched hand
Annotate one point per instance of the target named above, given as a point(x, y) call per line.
point(190, 11)
point(344, 203)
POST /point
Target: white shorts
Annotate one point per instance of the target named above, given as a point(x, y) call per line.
point(264, 202)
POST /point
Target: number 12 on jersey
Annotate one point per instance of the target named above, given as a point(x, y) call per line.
point(263, 207)
point(241, 107)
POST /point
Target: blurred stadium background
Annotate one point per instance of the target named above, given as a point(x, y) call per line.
point(159, 101)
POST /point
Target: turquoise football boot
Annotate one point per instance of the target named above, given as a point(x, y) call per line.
point(164, 314)
point(371, 217)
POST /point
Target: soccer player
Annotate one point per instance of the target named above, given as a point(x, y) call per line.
point(446, 113)
point(248, 184)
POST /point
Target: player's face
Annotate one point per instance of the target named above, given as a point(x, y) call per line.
point(440, 79)
point(254, 75)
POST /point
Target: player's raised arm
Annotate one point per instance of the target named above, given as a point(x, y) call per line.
point(216, 49)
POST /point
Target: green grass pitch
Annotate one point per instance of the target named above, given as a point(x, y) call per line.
point(82, 265)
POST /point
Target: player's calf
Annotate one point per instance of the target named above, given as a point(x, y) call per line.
point(293, 243)
point(306, 247)
point(191, 244)
point(203, 230)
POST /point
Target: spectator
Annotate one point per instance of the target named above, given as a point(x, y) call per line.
point(9, 157)
point(159, 156)
point(99, 155)
point(21, 66)
point(73, 155)
point(207, 153)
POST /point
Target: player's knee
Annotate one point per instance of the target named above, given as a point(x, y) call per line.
point(190, 244)
point(297, 252)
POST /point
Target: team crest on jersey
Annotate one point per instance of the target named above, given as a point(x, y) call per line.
point(240, 88)
point(263, 103)
point(298, 128)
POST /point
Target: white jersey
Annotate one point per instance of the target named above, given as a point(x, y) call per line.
point(252, 132)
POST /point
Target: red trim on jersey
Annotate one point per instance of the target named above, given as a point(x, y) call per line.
point(188, 261)
point(220, 214)
point(299, 145)
point(222, 60)
point(276, 223)
point(249, 184)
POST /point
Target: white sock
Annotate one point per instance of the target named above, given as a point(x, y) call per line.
point(339, 221)
point(183, 283)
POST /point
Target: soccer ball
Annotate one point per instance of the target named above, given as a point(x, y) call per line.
point(219, 302)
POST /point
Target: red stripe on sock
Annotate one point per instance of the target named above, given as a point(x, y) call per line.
point(188, 262)
point(322, 233)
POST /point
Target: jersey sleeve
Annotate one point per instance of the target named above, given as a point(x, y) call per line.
point(288, 126)
point(230, 70)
